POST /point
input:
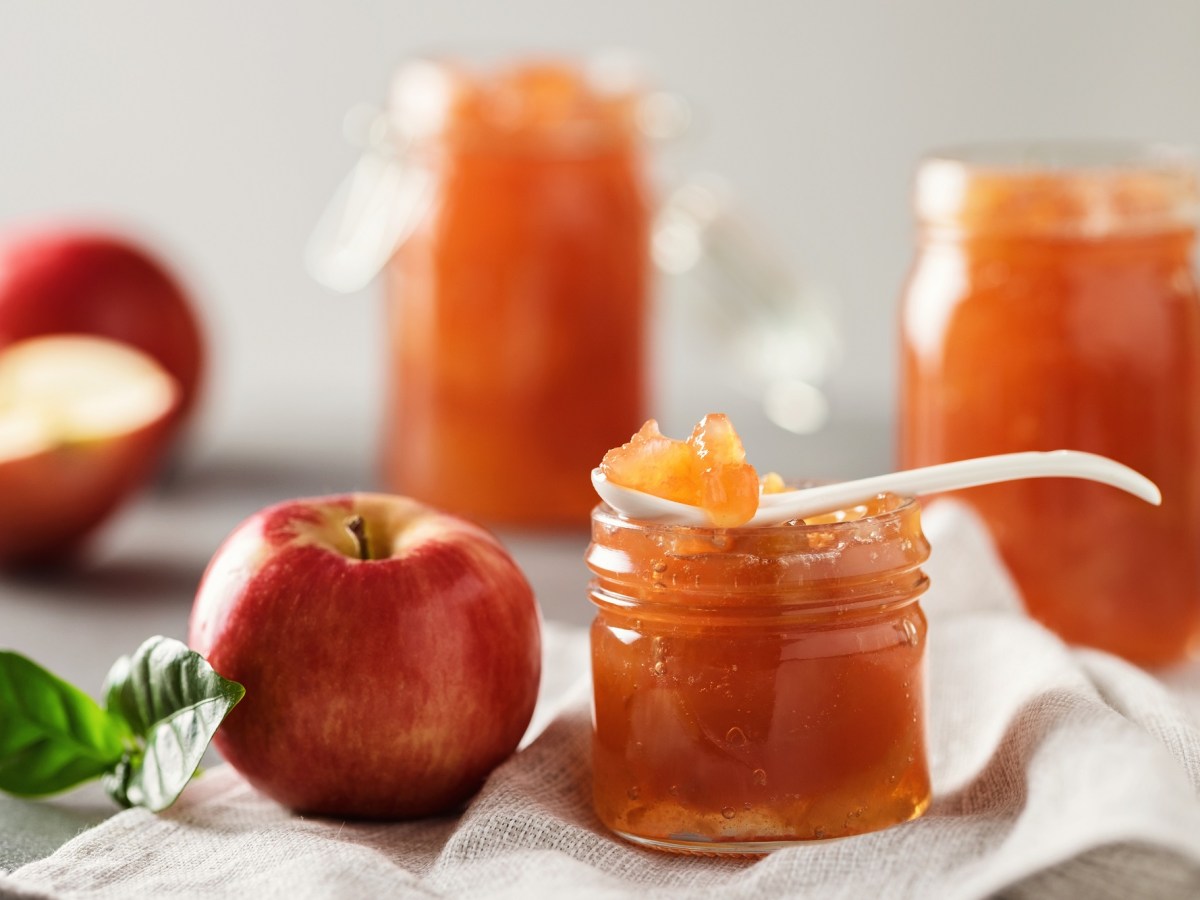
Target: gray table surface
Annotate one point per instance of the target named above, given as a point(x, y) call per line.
point(141, 576)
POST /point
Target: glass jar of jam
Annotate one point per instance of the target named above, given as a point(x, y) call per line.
point(758, 686)
point(1053, 305)
point(529, 251)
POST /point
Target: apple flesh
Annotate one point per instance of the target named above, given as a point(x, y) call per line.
point(83, 422)
point(390, 654)
point(68, 281)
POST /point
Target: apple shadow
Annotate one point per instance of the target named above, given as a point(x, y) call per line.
point(135, 579)
point(129, 582)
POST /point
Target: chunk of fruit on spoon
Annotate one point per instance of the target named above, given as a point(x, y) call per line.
point(708, 470)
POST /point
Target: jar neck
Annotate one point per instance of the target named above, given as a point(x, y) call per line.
point(862, 567)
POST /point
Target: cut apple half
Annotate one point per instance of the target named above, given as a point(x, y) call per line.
point(71, 389)
point(83, 421)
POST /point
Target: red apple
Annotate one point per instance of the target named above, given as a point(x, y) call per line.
point(80, 282)
point(83, 422)
point(390, 654)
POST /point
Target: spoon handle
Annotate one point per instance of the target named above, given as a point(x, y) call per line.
point(952, 476)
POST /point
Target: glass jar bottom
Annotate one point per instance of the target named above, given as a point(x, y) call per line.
point(695, 845)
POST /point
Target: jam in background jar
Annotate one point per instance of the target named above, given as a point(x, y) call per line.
point(518, 299)
point(1053, 305)
point(758, 686)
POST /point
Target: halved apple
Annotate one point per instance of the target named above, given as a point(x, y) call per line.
point(83, 422)
point(62, 279)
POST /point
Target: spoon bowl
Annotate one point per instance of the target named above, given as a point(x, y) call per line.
point(786, 506)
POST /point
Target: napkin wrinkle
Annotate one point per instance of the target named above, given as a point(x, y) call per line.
point(1142, 699)
point(963, 737)
point(1106, 804)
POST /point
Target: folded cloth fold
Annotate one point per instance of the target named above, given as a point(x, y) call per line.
point(1057, 772)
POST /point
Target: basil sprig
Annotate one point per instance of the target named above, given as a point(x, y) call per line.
point(162, 707)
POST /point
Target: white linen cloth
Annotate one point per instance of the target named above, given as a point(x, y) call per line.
point(1057, 773)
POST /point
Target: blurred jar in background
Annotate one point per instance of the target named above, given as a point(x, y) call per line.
point(518, 299)
point(1053, 305)
point(511, 210)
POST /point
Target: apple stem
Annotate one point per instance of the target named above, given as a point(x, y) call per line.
point(358, 528)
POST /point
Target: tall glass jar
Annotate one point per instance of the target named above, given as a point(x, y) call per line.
point(1053, 305)
point(531, 254)
point(511, 212)
point(758, 686)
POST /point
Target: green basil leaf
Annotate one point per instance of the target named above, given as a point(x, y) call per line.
point(52, 735)
point(174, 701)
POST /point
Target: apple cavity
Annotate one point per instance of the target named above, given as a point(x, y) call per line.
point(83, 422)
point(390, 653)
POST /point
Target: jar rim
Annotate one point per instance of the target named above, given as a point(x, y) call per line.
point(1077, 188)
point(486, 106)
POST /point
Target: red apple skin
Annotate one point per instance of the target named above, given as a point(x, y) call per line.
point(52, 501)
point(383, 688)
point(83, 282)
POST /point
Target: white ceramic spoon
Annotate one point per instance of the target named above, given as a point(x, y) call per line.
point(783, 507)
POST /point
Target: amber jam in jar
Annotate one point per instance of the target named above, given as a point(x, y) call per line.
point(531, 255)
point(759, 686)
point(1053, 304)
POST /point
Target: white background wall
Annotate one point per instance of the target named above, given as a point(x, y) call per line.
point(214, 127)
